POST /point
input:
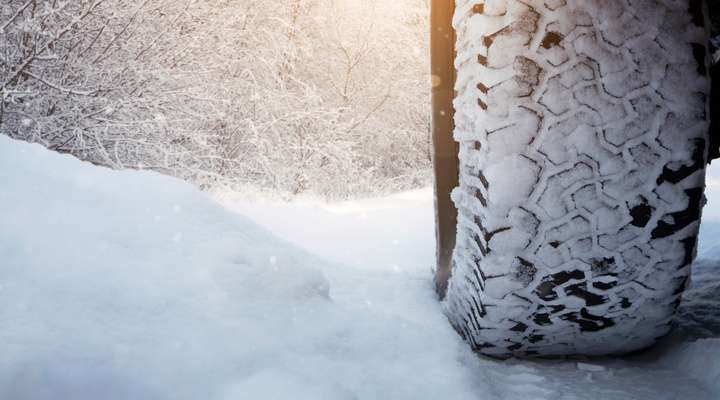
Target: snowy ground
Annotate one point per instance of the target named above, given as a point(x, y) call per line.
point(129, 285)
point(380, 245)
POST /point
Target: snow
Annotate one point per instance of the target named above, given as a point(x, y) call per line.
point(131, 285)
point(120, 285)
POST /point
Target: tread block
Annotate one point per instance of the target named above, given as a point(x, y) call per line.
point(584, 130)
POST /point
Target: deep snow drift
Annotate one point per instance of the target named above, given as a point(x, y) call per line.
point(131, 285)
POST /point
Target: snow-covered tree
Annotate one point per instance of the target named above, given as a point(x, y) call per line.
point(284, 94)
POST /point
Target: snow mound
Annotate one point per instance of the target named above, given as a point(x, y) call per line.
point(128, 285)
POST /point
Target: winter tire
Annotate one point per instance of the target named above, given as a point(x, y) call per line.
point(583, 138)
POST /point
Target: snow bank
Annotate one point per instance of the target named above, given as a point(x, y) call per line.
point(120, 285)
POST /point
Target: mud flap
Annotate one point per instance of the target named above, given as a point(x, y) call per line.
point(445, 149)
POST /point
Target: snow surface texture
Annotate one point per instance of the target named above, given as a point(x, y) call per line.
point(131, 285)
point(582, 127)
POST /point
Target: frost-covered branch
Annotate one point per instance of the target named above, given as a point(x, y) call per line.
point(289, 95)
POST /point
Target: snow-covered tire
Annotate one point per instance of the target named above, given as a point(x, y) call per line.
point(583, 143)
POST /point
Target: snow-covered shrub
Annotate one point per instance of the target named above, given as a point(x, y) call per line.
point(322, 96)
